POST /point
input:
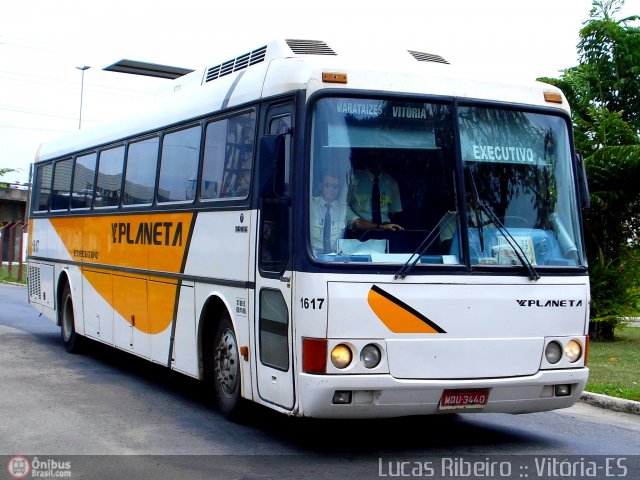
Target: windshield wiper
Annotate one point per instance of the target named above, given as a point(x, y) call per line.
point(517, 248)
point(476, 202)
point(424, 246)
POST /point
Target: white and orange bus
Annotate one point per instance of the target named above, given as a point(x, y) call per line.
point(229, 234)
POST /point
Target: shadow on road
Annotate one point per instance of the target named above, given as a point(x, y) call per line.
point(423, 435)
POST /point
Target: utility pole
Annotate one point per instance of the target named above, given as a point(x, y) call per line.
point(82, 68)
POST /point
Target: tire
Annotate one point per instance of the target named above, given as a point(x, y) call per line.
point(71, 340)
point(223, 372)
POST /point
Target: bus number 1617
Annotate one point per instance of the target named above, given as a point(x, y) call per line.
point(311, 303)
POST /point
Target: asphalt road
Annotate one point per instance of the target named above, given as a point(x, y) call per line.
point(111, 404)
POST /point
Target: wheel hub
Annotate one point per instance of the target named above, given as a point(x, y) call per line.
point(226, 368)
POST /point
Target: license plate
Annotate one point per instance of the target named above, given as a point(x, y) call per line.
point(476, 398)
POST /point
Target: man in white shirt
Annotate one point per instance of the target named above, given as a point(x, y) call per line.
point(477, 218)
point(374, 197)
point(328, 216)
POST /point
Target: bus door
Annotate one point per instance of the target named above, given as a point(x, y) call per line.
point(273, 329)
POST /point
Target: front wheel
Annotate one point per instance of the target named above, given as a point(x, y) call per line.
point(224, 371)
point(70, 339)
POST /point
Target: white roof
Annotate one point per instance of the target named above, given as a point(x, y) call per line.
point(283, 66)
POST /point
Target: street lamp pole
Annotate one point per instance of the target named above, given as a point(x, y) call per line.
point(82, 68)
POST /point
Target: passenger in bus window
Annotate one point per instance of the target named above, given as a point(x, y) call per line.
point(476, 217)
point(374, 198)
point(328, 215)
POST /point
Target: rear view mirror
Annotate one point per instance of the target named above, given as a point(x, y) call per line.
point(583, 186)
point(272, 171)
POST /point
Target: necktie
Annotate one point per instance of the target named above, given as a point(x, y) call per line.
point(375, 202)
point(326, 232)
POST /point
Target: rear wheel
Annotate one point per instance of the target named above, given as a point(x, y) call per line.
point(223, 370)
point(68, 333)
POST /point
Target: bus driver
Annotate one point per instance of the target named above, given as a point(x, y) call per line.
point(328, 216)
point(374, 198)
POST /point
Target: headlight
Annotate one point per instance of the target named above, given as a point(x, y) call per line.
point(573, 350)
point(370, 356)
point(553, 352)
point(341, 356)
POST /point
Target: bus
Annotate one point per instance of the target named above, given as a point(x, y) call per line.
point(195, 235)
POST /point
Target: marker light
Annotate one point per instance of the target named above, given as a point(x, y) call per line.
point(553, 352)
point(553, 97)
point(334, 77)
point(341, 356)
point(370, 356)
point(573, 350)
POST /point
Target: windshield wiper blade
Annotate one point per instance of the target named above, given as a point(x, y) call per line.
point(424, 246)
point(476, 202)
point(517, 249)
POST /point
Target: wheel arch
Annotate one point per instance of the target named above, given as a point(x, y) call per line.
point(63, 279)
point(214, 306)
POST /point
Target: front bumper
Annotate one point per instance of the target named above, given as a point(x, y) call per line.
point(380, 396)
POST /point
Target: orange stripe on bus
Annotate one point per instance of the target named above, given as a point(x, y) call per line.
point(397, 316)
point(155, 242)
point(144, 302)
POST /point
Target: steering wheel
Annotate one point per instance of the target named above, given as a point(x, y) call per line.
point(513, 218)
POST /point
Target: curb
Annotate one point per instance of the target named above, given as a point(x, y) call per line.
point(611, 403)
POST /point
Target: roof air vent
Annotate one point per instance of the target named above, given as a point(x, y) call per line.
point(310, 47)
point(427, 57)
point(235, 64)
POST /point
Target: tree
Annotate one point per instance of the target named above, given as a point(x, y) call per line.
point(604, 94)
point(4, 171)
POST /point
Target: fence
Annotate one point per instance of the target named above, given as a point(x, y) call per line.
point(13, 247)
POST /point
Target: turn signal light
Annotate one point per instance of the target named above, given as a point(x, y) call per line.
point(586, 350)
point(314, 355)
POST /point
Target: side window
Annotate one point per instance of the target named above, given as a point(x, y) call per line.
point(61, 185)
point(179, 165)
point(278, 125)
point(140, 178)
point(109, 183)
point(228, 157)
point(42, 188)
point(274, 329)
point(83, 178)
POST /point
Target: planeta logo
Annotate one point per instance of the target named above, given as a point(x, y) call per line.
point(550, 303)
point(147, 233)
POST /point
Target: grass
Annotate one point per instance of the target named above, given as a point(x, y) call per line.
point(5, 277)
point(615, 365)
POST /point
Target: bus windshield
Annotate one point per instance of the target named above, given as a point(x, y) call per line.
point(384, 185)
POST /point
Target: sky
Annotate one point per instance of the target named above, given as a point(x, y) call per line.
point(42, 42)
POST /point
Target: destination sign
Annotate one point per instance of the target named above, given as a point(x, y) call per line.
point(502, 153)
point(377, 109)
